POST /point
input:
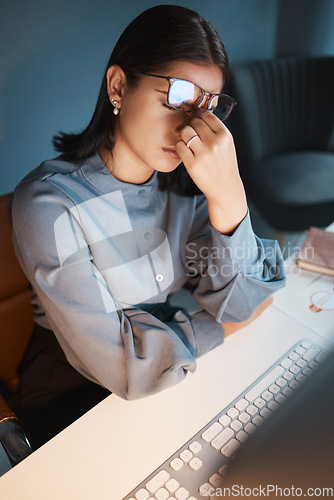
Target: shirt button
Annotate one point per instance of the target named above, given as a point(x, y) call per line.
point(159, 277)
point(141, 192)
point(147, 236)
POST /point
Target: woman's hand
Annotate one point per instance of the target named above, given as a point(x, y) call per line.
point(211, 162)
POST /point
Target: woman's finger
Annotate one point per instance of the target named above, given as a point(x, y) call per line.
point(211, 120)
point(184, 152)
point(189, 136)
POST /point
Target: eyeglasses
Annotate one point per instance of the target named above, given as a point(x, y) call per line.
point(186, 96)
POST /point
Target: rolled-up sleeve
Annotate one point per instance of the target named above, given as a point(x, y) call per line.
point(232, 275)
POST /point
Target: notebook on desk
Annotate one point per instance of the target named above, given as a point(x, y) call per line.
point(294, 395)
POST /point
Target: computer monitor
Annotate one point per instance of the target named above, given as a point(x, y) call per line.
point(293, 450)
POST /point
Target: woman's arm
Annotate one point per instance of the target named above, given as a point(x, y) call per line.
point(231, 275)
point(127, 350)
point(232, 270)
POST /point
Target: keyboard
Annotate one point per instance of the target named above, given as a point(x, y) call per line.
point(202, 462)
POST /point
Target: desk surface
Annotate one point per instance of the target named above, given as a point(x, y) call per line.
point(112, 448)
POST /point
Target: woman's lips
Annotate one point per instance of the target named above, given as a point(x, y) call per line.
point(172, 153)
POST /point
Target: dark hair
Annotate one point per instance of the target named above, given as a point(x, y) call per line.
point(157, 37)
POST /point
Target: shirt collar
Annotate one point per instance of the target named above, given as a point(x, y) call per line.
point(96, 173)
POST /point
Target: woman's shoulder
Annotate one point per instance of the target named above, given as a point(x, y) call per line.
point(48, 168)
point(49, 184)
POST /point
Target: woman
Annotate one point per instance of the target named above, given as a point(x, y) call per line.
point(145, 200)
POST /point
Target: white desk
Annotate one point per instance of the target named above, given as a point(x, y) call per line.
point(112, 448)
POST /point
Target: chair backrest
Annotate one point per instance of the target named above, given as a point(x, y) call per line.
point(16, 312)
point(284, 105)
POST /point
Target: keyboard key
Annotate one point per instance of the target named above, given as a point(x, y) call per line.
point(287, 391)
point(314, 365)
point(249, 428)
point(307, 344)
point(195, 463)
point(181, 494)
point(142, 494)
point(267, 395)
point(294, 384)
point(176, 464)
point(274, 389)
point(313, 351)
point(301, 363)
point(288, 375)
point(307, 371)
point(273, 405)
point(280, 398)
point(211, 432)
point(225, 420)
point(257, 420)
point(236, 425)
point(241, 404)
point(244, 417)
point(265, 413)
point(241, 436)
point(286, 363)
point(294, 356)
point(195, 447)
point(157, 481)
point(259, 402)
point(264, 383)
point(252, 410)
point(295, 369)
point(233, 412)
point(321, 356)
point(301, 378)
point(186, 455)
point(222, 438)
point(204, 489)
point(300, 350)
point(230, 448)
point(281, 382)
point(162, 494)
point(216, 480)
point(223, 470)
point(172, 485)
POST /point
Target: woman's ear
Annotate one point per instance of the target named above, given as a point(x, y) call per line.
point(116, 80)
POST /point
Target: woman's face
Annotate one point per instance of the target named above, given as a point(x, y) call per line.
point(147, 131)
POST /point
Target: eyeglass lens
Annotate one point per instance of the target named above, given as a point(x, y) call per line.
point(225, 107)
point(186, 96)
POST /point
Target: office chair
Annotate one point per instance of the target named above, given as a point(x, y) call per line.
point(283, 129)
point(16, 326)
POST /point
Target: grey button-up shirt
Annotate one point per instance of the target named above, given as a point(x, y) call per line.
point(99, 251)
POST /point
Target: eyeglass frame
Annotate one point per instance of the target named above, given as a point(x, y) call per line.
point(204, 93)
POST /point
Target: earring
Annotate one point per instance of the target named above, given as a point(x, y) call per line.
point(115, 110)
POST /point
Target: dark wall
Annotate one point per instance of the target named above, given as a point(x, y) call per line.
point(53, 54)
point(306, 27)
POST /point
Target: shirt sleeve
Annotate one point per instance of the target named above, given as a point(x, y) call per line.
point(231, 275)
point(128, 351)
